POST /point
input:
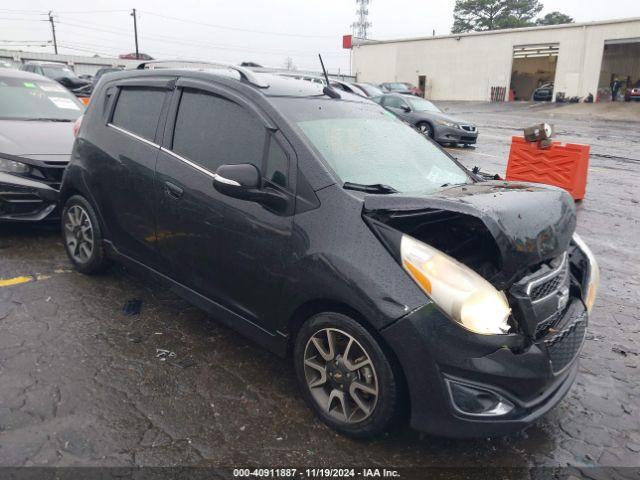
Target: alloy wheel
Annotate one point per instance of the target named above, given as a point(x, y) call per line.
point(79, 234)
point(425, 130)
point(340, 375)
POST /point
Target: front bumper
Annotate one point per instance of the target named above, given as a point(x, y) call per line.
point(433, 352)
point(26, 200)
point(444, 134)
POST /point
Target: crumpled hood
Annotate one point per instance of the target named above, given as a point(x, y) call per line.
point(530, 223)
point(36, 139)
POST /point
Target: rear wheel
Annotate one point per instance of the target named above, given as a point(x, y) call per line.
point(426, 129)
point(345, 376)
point(82, 236)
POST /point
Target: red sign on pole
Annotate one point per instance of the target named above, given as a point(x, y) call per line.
point(347, 41)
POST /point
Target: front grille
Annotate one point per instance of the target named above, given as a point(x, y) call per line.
point(468, 128)
point(549, 283)
point(467, 139)
point(544, 325)
point(564, 346)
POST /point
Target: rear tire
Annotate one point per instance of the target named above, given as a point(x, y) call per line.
point(82, 236)
point(346, 377)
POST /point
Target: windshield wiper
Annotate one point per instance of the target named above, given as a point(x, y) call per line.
point(375, 188)
point(44, 119)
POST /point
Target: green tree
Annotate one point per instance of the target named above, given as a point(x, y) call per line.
point(478, 15)
point(554, 18)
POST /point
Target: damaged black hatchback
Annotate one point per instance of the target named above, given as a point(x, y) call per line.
point(322, 227)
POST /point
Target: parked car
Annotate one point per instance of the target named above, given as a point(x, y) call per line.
point(84, 93)
point(348, 87)
point(633, 93)
point(104, 71)
point(306, 78)
point(369, 89)
point(544, 93)
point(36, 116)
point(59, 72)
point(404, 88)
point(135, 56)
point(361, 89)
point(429, 119)
point(322, 227)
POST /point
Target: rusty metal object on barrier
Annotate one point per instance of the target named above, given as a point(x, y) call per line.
point(536, 133)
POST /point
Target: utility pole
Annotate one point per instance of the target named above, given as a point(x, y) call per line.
point(53, 30)
point(135, 32)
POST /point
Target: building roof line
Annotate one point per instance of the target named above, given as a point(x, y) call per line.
point(363, 43)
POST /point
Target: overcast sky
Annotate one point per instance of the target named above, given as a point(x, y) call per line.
point(266, 32)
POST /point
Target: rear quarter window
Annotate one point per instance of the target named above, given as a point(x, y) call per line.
point(138, 110)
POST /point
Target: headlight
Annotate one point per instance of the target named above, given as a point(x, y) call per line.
point(447, 124)
point(460, 292)
point(593, 279)
point(9, 166)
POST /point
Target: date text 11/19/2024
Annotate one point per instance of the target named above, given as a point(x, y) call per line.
point(315, 473)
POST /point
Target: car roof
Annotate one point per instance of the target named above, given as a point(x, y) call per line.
point(44, 62)
point(21, 74)
point(277, 85)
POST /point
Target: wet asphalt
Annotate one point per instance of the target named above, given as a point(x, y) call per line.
point(81, 383)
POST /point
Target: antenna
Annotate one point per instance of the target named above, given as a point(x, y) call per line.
point(328, 90)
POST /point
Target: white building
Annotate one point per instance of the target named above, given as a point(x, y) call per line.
point(580, 58)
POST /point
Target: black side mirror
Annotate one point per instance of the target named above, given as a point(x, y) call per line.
point(406, 109)
point(244, 181)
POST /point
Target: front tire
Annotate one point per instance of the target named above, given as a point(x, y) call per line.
point(426, 129)
point(346, 377)
point(82, 236)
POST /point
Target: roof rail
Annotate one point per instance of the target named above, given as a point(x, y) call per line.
point(245, 73)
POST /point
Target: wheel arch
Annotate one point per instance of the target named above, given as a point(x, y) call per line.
point(325, 305)
point(71, 190)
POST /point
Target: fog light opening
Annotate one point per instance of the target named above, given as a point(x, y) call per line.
point(477, 401)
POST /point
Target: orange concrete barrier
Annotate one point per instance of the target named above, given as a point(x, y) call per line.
point(563, 165)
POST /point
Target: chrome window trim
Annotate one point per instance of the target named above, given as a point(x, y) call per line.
point(133, 135)
point(544, 278)
point(188, 162)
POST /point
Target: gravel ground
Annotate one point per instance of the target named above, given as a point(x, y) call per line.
point(83, 384)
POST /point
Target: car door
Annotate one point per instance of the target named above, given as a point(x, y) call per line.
point(124, 167)
point(231, 251)
point(397, 105)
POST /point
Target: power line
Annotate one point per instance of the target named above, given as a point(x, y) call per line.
point(69, 12)
point(235, 29)
point(174, 40)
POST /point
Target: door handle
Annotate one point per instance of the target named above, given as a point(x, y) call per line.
point(172, 190)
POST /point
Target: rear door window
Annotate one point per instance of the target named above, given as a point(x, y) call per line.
point(212, 131)
point(138, 110)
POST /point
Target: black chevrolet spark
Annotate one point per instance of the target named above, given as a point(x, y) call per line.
point(322, 227)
